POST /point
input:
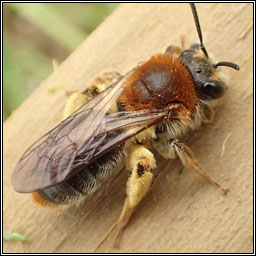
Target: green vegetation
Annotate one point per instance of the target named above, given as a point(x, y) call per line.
point(35, 34)
point(14, 236)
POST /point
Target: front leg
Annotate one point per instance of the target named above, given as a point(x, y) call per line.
point(173, 50)
point(140, 162)
point(171, 148)
point(176, 50)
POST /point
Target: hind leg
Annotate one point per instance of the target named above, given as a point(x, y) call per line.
point(140, 162)
point(97, 84)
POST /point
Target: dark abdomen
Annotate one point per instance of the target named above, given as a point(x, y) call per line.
point(83, 183)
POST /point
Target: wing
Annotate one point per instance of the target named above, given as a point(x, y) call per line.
point(117, 128)
point(78, 140)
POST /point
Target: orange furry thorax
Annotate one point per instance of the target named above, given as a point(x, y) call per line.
point(159, 82)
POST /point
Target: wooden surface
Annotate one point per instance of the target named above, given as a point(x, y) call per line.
point(181, 213)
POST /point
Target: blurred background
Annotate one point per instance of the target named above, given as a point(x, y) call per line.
point(35, 34)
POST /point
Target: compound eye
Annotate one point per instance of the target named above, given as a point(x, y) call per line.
point(214, 89)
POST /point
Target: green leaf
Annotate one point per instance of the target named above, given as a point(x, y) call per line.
point(55, 88)
point(14, 236)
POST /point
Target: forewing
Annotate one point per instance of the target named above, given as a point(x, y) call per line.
point(117, 128)
point(49, 160)
point(78, 140)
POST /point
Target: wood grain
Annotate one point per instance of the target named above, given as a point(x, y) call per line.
point(181, 213)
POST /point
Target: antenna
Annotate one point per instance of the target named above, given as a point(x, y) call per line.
point(199, 32)
point(227, 64)
point(198, 28)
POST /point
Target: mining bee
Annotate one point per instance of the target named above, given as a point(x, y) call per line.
point(115, 121)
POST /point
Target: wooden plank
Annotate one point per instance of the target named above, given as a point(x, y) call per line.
point(181, 213)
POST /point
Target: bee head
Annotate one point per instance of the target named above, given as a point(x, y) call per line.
point(203, 70)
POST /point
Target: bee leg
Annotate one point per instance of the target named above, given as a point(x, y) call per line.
point(208, 114)
point(176, 49)
point(169, 149)
point(173, 50)
point(188, 160)
point(97, 84)
point(101, 82)
point(140, 162)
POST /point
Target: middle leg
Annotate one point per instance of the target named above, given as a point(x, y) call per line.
point(171, 148)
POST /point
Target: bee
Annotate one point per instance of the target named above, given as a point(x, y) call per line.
point(117, 120)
